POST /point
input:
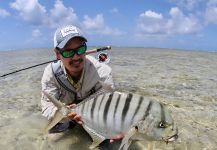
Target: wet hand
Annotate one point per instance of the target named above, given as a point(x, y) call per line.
point(118, 137)
point(74, 116)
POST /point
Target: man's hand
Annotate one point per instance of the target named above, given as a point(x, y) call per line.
point(74, 116)
point(118, 137)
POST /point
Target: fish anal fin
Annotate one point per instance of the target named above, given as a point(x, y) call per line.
point(97, 138)
point(127, 138)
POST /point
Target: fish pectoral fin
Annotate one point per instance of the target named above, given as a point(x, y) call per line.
point(127, 138)
point(58, 116)
point(97, 138)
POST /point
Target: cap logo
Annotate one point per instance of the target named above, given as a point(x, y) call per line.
point(69, 30)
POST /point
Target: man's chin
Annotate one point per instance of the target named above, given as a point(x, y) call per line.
point(76, 69)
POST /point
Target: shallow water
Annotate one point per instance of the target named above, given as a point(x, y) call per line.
point(184, 80)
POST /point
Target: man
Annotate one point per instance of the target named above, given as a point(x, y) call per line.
point(73, 77)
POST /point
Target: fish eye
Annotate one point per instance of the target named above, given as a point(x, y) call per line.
point(162, 124)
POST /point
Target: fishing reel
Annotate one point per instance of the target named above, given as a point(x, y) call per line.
point(103, 57)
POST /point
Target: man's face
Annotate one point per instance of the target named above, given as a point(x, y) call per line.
point(74, 65)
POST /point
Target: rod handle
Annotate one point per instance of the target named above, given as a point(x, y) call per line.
point(98, 49)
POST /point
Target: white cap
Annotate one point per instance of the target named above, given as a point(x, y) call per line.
point(65, 33)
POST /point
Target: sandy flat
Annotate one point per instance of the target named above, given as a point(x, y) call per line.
point(186, 81)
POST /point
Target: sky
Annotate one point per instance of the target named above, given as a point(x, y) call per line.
point(179, 24)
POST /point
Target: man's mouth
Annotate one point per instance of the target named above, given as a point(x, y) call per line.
point(76, 62)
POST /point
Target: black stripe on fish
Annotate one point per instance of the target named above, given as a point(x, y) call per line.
point(100, 106)
point(137, 108)
point(116, 106)
point(93, 107)
point(162, 112)
point(126, 108)
point(87, 107)
point(101, 102)
point(105, 114)
point(82, 109)
point(147, 110)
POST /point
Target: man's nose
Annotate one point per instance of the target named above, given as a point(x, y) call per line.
point(76, 56)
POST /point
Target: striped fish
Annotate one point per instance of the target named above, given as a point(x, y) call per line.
point(106, 115)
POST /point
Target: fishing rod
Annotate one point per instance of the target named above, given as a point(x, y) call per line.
point(95, 50)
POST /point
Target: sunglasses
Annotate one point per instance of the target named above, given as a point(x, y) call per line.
point(67, 53)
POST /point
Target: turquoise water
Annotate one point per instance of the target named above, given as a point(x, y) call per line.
point(185, 80)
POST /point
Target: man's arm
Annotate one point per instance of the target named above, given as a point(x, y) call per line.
point(48, 84)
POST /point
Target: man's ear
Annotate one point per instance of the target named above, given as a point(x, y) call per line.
point(57, 54)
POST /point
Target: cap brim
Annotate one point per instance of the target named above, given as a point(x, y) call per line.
point(63, 43)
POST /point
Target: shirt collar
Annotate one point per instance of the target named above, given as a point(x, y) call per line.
point(79, 83)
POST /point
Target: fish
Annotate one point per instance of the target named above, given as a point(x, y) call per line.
point(106, 115)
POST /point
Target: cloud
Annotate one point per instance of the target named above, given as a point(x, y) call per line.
point(151, 14)
point(114, 11)
point(179, 23)
point(4, 13)
point(97, 25)
point(206, 10)
point(36, 33)
point(188, 4)
point(211, 12)
point(31, 11)
point(61, 15)
point(35, 14)
point(151, 22)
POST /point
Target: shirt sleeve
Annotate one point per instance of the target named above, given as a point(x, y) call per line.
point(106, 75)
point(49, 85)
point(104, 71)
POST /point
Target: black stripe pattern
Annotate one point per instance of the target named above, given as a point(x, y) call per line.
point(105, 114)
point(147, 110)
point(126, 108)
point(137, 108)
point(93, 107)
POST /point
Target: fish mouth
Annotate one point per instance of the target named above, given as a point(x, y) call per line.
point(171, 138)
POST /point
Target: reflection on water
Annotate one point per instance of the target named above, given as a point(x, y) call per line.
point(185, 81)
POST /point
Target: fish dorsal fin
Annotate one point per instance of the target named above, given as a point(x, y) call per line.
point(100, 92)
point(97, 138)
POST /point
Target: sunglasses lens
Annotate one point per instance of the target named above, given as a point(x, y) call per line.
point(71, 52)
point(68, 54)
point(81, 50)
